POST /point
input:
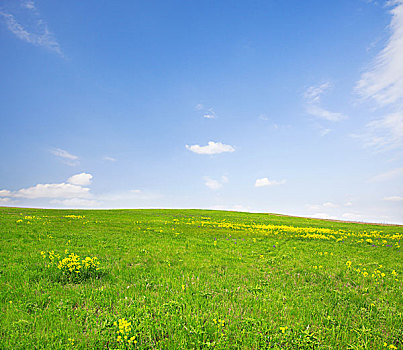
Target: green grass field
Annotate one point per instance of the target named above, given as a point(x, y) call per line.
point(192, 279)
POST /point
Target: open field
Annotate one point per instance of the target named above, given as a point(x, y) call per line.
point(191, 279)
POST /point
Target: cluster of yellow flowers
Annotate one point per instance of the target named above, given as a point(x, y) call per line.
point(72, 263)
point(124, 330)
point(28, 219)
point(74, 216)
point(220, 322)
point(301, 232)
point(377, 274)
point(51, 256)
point(91, 263)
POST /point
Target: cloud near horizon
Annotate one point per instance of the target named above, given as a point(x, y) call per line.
point(73, 189)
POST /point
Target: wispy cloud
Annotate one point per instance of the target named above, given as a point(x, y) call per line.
point(266, 182)
point(31, 27)
point(215, 184)
point(208, 113)
point(211, 148)
point(330, 205)
point(5, 193)
point(393, 198)
point(110, 159)
point(384, 133)
point(323, 216)
point(313, 103)
point(77, 203)
point(69, 159)
point(389, 175)
point(29, 4)
point(382, 83)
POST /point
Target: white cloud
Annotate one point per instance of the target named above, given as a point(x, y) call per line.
point(215, 184)
point(4, 200)
point(82, 179)
point(324, 131)
point(212, 184)
point(208, 113)
point(37, 34)
point(330, 205)
point(393, 198)
point(77, 202)
point(389, 175)
point(211, 148)
point(313, 98)
point(68, 158)
point(313, 93)
point(385, 132)
point(129, 196)
point(316, 207)
point(352, 217)
point(61, 190)
point(323, 216)
point(383, 82)
point(110, 159)
point(72, 189)
point(313, 207)
point(266, 182)
point(29, 4)
point(5, 193)
point(320, 112)
point(63, 154)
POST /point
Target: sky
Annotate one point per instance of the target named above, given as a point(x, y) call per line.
point(288, 107)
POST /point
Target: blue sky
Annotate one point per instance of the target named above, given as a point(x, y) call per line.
point(270, 106)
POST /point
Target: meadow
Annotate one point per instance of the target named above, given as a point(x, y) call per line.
point(196, 279)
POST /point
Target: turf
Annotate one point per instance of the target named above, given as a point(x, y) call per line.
point(197, 279)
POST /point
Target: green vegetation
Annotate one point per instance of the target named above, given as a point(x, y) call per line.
point(192, 279)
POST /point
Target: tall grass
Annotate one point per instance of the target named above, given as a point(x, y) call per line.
point(193, 279)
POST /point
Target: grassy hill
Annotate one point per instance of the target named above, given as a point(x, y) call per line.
point(192, 279)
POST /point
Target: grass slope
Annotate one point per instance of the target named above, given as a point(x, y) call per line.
point(192, 279)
